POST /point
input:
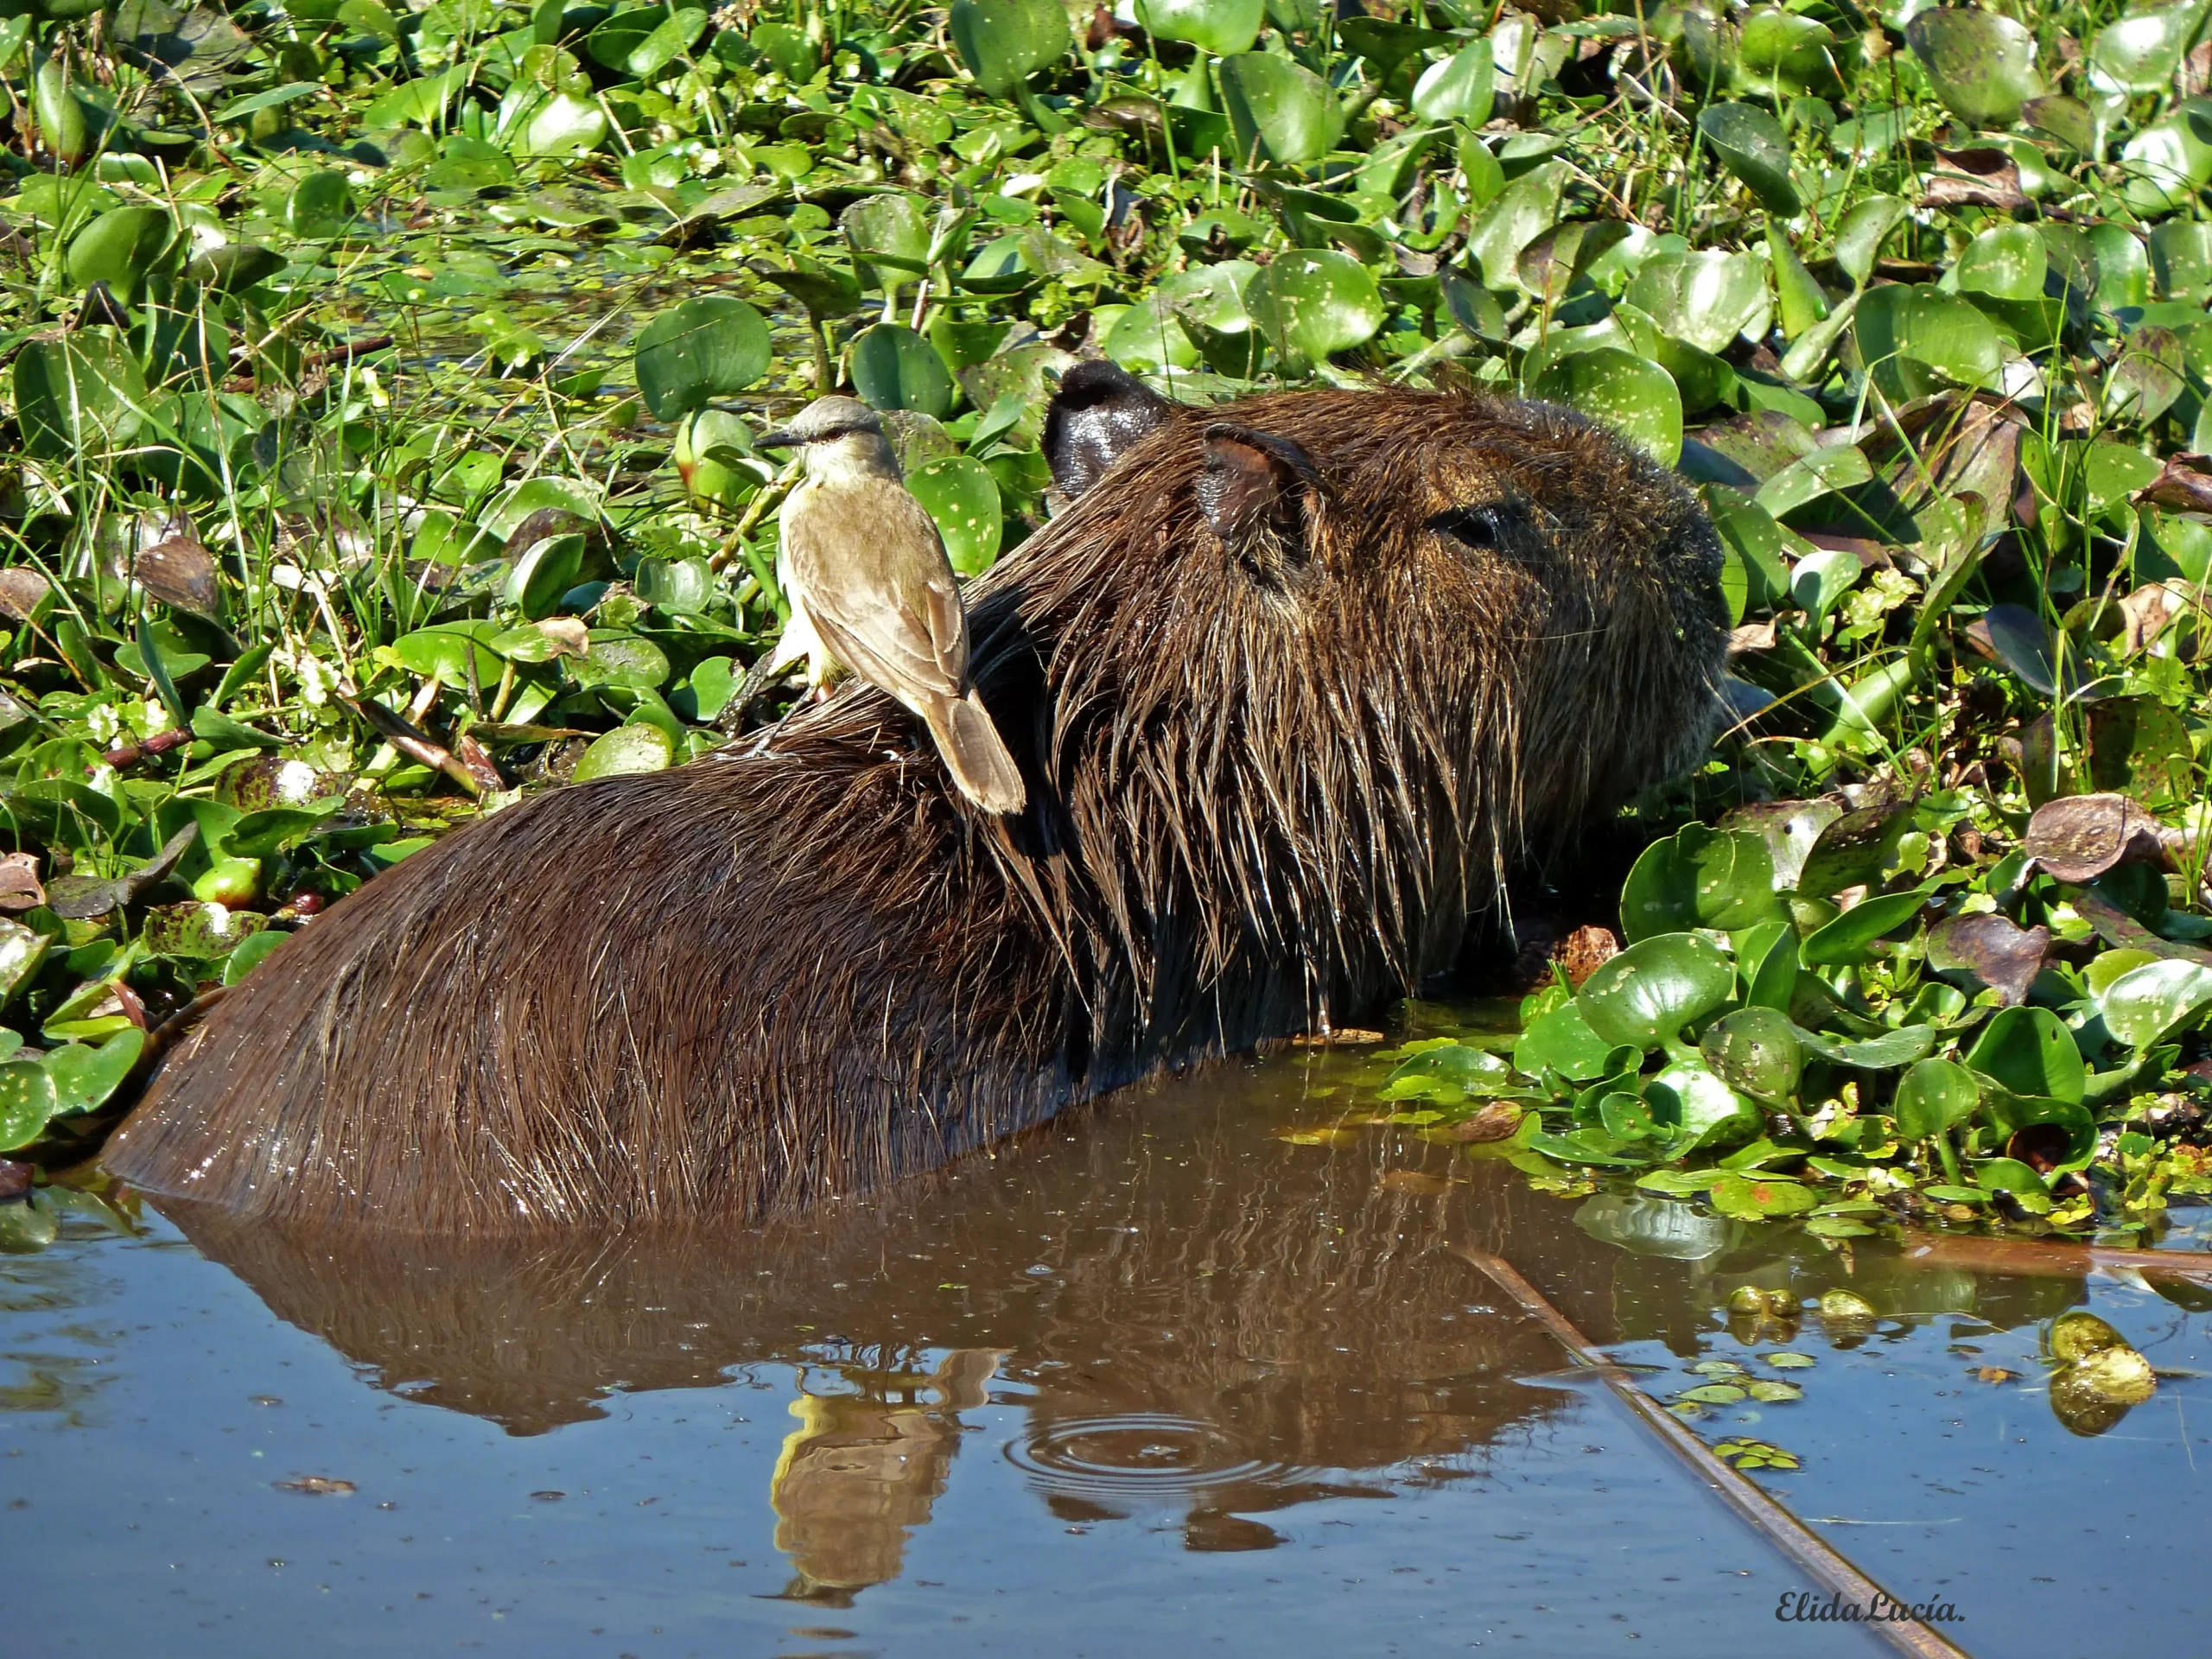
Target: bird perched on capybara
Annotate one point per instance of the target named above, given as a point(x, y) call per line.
point(1291, 684)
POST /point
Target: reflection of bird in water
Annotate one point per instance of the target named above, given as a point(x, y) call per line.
point(871, 590)
point(859, 1471)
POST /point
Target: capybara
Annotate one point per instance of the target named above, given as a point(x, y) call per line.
point(1292, 684)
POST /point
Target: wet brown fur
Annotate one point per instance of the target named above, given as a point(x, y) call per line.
point(1272, 771)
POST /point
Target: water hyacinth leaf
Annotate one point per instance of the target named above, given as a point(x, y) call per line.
point(1751, 1198)
point(85, 1074)
point(962, 496)
point(444, 651)
point(1913, 341)
point(120, 247)
point(1311, 305)
point(671, 39)
point(22, 951)
point(2178, 258)
point(543, 574)
point(2006, 262)
point(622, 660)
point(1981, 63)
point(1699, 878)
point(2052, 1135)
point(1223, 27)
point(83, 393)
point(1752, 144)
point(1846, 938)
point(894, 367)
point(889, 231)
point(251, 954)
point(1700, 1108)
point(1704, 297)
point(2078, 838)
point(1932, 1096)
point(1458, 88)
point(2139, 52)
point(198, 932)
point(1451, 1073)
point(1003, 43)
point(27, 1101)
point(2168, 161)
point(1756, 1050)
point(2030, 1051)
point(633, 748)
point(1892, 1049)
point(712, 346)
point(2146, 1004)
point(1633, 395)
point(1148, 337)
point(1522, 211)
point(1648, 993)
point(1278, 110)
point(1562, 1041)
point(1991, 949)
point(1864, 228)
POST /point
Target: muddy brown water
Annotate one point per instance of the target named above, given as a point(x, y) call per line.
point(1154, 1382)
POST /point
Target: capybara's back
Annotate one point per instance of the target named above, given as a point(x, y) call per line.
point(1292, 683)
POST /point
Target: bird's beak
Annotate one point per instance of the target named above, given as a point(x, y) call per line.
point(777, 441)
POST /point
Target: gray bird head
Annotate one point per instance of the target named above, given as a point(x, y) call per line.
point(837, 435)
point(824, 420)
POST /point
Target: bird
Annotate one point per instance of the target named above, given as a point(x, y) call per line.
point(871, 591)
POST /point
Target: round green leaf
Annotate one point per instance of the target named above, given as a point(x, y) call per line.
point(120, 247)
point(1932, 1096)
point(1562, 1041)
point(1752, 144)
point(443, 650)
point(1460, 88)
point(533, 121)
point(80, 394)
point(1311, 305)
point(1221, 26)
point(2168, 161)
point(1914, 340)
point(1981, 63)
point(1279, 111)
point(2139, 53)
point(1633, 395)
point(85, 1074)
point(1645, 995)
point(709, 347)
point(2179, 257)
point(318, 205)
point(1003, 43)
point(894, 367)
point(671, 39)
point(2006, 262)
point(1892, 1048)
point(2030, 1051)
point(2013, 1113)
point(543, 573)
point(889, 231)
point(2144, 1004)
point(1700, 1108)
point(1757, 1197)
point(640, 747)
point(1845, 938)
point(26, 1100)
point(1703, 298)
point(2009, 1175)
point(1450, 1073)
point(251, 953)
point(1148, 337)
point(22, 951)
point(1756, 1050)
point(621, 660)
point(1699, 878)
point(963, 497)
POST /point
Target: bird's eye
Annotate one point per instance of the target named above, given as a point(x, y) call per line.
point(1482, 529)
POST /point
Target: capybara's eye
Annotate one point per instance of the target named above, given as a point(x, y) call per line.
point(1482, 529)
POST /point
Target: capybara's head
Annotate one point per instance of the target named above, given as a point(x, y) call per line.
point(1394, 627)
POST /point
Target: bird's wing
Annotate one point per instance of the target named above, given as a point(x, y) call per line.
point(879, 588)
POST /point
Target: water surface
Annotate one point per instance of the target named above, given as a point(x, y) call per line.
point(1154, 1381)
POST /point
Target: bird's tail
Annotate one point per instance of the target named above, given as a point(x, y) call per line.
point(976, 754)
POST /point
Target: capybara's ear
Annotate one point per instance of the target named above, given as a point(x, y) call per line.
point(1100, 410)
point(1254, 492)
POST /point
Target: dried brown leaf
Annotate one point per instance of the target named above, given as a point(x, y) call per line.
point(180, 573)
point(22, 589)
point(2183, 485)
point(1999, 954)
point(2077, 838)
point(19, 883)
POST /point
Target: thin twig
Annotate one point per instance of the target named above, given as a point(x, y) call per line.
point(1805, 1548)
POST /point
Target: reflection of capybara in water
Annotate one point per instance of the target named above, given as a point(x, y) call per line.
point(1283, 1323)
point(1289, 685)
